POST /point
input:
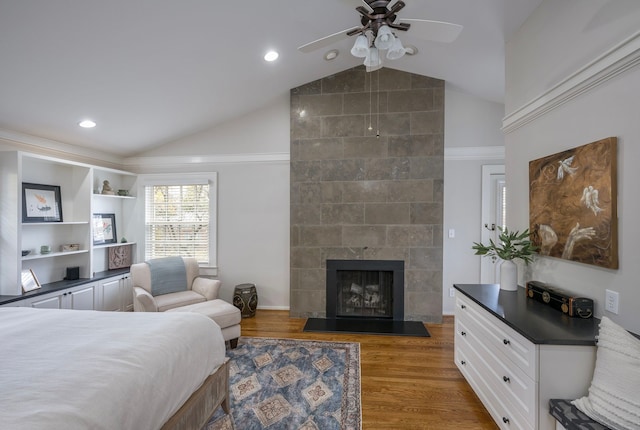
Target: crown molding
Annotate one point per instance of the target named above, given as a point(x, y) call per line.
point(618, 59)
point(177, 162)
point(474, 153)
point(38, 145)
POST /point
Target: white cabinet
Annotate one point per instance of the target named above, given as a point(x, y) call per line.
point(513, 377)
point(82, 297)
point(79, 199)
point(116, 294)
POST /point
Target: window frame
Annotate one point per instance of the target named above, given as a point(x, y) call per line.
point(211, 178)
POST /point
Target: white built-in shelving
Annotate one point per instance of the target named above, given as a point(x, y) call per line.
point(80, 190)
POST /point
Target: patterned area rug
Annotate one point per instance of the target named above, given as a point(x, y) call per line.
point(292, 384)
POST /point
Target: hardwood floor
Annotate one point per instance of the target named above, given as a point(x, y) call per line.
point(407, 382)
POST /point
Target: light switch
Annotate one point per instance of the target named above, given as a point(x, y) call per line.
point(452, 233)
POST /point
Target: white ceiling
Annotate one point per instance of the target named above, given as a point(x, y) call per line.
point(153, 71)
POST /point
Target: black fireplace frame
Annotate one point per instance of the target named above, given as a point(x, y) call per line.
point(395, 266)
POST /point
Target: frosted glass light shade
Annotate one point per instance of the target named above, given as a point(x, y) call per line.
point(373, 58)
point(360, 47)
point(396, 51)
point(384, 39)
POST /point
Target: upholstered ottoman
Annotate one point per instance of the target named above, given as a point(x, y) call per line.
point(224, 314)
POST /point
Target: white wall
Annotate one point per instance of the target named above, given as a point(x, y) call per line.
point(472, 138)
point(578, 31)
point(253, 196)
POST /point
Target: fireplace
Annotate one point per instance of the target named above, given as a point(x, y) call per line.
point(370, 289)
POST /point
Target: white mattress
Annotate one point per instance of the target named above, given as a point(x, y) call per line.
point(101, 370)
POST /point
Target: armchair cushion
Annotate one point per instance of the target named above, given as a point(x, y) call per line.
point(175, 300)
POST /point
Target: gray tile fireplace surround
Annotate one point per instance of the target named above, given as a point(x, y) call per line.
point(358, 196)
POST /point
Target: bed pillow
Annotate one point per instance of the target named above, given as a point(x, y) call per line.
point(614, 395)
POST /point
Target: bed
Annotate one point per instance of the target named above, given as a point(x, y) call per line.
point(76, 369)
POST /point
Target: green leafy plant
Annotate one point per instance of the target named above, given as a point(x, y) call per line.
point(512, 245)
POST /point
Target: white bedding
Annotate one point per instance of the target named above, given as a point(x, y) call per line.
point(69, 369)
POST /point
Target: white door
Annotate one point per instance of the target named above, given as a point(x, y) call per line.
point(493, 216)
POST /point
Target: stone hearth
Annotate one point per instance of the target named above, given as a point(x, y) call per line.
point(355, 196)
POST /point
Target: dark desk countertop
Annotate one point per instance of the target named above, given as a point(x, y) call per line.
point(62, 285)
point(539, 323)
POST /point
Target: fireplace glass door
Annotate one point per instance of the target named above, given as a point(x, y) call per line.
point(364, 293)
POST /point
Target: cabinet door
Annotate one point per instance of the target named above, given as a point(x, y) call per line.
point(111, 295)
point(52, 302)
point(82, 298)
point(127, 294)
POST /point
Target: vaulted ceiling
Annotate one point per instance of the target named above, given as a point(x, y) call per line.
point(152, 71)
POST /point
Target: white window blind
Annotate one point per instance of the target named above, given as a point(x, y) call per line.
point(177, 221)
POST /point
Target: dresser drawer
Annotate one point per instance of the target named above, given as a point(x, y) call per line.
point(511, 384)
point(498, 336)
point(475, 370)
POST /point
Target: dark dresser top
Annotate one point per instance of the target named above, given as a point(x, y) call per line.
point(63, 285)
point(539, 323)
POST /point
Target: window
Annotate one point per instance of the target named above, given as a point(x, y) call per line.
point(179, 220)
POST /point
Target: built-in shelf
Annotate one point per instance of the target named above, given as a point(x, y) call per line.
point(49, 224)
point(111, 245)
point(53, 254)
point(113, 196)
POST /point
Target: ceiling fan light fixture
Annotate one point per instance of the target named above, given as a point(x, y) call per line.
point(360, 47)
point(384, 38)
point(396, 51)
point(373, 58)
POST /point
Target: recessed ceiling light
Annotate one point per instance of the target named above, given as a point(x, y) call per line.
point(331, 55)
point(87, 123)
point(410, 50)
point(271, 56)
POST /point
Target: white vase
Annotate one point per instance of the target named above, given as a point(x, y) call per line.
point(508, 276)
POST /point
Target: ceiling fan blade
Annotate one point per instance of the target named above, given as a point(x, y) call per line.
point(325, 41)
point(367, 6)
point(436, 31)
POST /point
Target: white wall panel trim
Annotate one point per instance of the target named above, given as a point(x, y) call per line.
point(618, 59)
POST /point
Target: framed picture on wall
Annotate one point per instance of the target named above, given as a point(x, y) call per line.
point(41, 203)
point(573, 204)
point(104, 229)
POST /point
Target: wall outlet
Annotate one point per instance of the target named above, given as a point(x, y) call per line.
point(611, 301)
point(452, 292)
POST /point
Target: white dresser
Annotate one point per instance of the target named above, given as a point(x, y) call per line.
point(517, 354)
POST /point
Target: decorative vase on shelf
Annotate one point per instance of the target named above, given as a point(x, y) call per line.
point(508, 275)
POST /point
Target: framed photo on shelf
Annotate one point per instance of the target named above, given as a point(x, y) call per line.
point(104, 229)
point(29, 281)
point(41, 203)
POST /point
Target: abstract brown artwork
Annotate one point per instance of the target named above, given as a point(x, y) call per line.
point(573, 206)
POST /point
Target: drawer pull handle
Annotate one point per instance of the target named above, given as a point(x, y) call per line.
point(463, 333)
point(506, 379)
point(505, 420)
point(463, 306)
point(506, 341)
point(463, 362)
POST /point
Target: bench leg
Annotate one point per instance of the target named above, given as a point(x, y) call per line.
point(233, 343)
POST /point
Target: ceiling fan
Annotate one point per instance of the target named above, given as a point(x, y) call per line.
point(378, 21)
